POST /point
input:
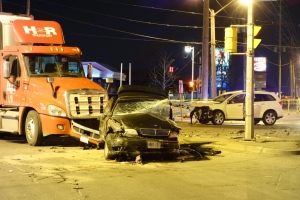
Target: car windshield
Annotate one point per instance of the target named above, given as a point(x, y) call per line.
point(49, 65)
point(150, 106)
point(222, 98)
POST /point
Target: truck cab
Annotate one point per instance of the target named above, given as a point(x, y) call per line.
point(43, 89)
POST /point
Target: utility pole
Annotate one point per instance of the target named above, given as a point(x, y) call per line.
point(292, 70)
point(213, 14)
point(213, 80)
point(279, 56)
point(28, 8)
point(205, 49)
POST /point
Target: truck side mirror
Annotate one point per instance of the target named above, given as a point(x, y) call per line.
point(108, 82)
point(51, 80)
point(6, 69)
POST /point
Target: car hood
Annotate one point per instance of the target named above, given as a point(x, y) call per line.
point(204, 103)
point(145, 120)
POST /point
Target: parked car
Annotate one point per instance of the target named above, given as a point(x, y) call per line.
point(231, 106)
point(138, 121)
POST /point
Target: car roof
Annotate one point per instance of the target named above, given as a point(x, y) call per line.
point(243, 91)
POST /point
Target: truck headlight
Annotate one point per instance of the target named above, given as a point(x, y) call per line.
point(56, 111)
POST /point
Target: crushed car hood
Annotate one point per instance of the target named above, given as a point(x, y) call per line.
point(144, 120)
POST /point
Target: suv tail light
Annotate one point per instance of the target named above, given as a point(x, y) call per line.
point(280, 103)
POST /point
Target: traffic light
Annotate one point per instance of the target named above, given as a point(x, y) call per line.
point(230, 40)
point(191, 84)
point(256, 42)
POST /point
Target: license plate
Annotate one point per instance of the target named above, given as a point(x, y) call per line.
point(153, 145)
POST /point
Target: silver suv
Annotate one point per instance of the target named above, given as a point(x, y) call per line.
point(231, 106)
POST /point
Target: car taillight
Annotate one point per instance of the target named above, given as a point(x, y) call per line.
point(280, 103)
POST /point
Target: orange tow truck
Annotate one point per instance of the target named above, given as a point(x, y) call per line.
point(44, 90)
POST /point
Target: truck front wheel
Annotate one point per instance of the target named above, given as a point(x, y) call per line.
point(33, 129)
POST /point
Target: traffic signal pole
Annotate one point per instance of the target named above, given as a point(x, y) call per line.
point(231, 47)
point(249, 122)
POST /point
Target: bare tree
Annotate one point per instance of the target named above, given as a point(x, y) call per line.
point(160, 74)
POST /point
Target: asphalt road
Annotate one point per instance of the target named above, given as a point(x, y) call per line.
point(61, 169)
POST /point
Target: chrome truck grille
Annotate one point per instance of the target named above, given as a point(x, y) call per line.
point(86, 103)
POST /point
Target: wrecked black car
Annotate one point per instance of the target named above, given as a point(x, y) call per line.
point(138, 121)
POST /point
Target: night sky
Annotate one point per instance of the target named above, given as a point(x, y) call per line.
point(138, 31)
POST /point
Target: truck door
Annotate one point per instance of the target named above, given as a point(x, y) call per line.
point(12, 88)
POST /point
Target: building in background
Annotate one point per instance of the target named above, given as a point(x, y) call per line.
point(102, 71)
point(222, 67)
point(260, 73)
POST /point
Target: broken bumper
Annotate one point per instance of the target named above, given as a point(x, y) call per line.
point(137, 146)
point(85, 134)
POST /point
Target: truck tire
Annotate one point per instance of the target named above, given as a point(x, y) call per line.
point(33, 129)
point(108, 153)
point(218, 117)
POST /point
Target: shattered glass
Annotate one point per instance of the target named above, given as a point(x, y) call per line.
point(150, 106)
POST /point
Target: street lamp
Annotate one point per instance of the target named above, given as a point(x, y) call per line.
point(188, 49)
point(213, 49)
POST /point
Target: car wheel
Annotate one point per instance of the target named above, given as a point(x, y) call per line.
point(108, 153)
point(218, 118)
point(256, 121)
point(269, 118)
point(33, 129)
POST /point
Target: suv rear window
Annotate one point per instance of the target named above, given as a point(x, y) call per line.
point(264, 97)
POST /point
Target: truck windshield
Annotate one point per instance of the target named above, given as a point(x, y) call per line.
point(45, 65)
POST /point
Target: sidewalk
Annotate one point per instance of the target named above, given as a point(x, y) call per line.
point(267, 141)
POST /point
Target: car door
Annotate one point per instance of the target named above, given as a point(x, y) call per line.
point(235, 107)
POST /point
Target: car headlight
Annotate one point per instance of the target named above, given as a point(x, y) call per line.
point(173, 134)
point(56, 111)
point(131, 132)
